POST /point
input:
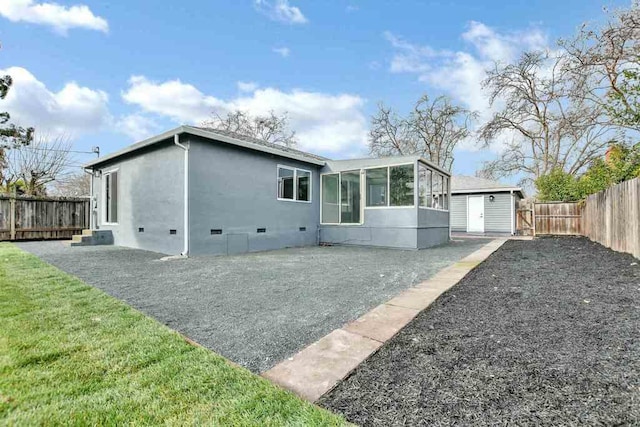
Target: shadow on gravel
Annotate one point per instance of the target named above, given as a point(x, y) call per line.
point(543, 332)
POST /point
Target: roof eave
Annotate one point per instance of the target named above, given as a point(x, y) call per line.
point(205, 134)
point(488, 190)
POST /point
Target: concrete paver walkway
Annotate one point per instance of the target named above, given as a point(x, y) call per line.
point(319, 367)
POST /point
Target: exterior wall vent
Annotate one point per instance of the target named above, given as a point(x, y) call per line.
point(261, 230)
point(303, 228)
point(140, 229)
point(216, 231)
point(173, 231)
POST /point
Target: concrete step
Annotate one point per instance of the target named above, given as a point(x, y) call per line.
point(95, 237)
point(87, 232)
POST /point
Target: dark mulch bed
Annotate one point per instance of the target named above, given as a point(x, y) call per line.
point(543, 332)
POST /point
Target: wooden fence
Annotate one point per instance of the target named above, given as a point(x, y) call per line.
point(557, 218)
point(612, 217)
point(35, 218)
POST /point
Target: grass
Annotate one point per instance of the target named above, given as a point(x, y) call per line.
point(70, 354)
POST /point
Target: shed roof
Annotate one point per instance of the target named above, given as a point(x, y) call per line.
point(227, 137)
point(472, 184)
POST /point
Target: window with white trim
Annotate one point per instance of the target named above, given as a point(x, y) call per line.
point(341, 198)
point(294, 184)
point(433, 188)
point(390, 186)
point(110, 193)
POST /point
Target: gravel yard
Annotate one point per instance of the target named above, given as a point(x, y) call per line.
point(255, 309)
point(544, 332)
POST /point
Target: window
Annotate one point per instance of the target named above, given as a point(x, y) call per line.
point(433, 188)
point(294, 184)
point(110, 197)
point(395, 181)
point(285, 183)
point(330, 207)
point(341, 198)
point(304, 185)
point(401, 185)
point(377, 187)
point(424, 185)
point(445, 192)
point(437, 191)
point(350, 197)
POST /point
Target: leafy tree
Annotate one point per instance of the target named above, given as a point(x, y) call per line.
point(432, 130)
point(271, 127)
point(622, 162)
point(558, 185)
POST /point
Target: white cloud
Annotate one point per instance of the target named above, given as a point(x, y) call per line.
point(280, 10)
point(72, 111)
point(331, 124)
point(137, 126)
point(282, 51)
point(61, 18)
point(460, 74)
point(247, 86)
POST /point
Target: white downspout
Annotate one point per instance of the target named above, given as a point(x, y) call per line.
point(176, 141)
point(513, 215)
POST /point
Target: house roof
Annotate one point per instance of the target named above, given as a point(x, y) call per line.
point(472, 184)
point(227, 137)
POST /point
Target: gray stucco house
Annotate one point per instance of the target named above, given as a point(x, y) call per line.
point(200, 191)
point(480, 206)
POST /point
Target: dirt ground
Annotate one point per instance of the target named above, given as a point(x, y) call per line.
point(544, 332)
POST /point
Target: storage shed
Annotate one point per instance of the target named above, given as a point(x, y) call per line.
point(483, 206)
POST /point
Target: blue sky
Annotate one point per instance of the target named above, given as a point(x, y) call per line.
point(109, 73)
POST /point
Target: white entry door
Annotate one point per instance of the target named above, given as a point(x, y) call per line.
point(475, 214)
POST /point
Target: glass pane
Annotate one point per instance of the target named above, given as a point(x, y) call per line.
point(107, 198)
point(377, 187)
point(330, 212)
point(304, 185)
point(401, 185)
point(285, 183)
point(350, 195)
point(114, 197)
point(424, 185)
point(445, 192)
point(437, 190)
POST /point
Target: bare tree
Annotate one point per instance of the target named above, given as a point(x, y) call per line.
point(76, 184)
point(432, 130)
point(271, 127)
point(544, 119)
point(37, 165)
point(610, 56)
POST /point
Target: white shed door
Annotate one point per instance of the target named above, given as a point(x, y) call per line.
point(475, 214)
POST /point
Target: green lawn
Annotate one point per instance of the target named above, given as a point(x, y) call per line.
point(70, 354)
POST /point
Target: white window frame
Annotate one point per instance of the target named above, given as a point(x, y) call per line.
point(443, 175)
point(362, 187)
point(104, 175)
point(295, 184)
point(388, 205)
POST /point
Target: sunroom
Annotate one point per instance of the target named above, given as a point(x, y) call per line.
point(397, 202)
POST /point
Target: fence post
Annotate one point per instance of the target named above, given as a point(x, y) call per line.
point(533, 218)
point(12, 217)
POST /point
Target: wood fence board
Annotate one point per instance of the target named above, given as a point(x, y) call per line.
point(558, 218)
point(612, 217)
point(30, 218)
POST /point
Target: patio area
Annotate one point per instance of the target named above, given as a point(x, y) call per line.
point(255, 309)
